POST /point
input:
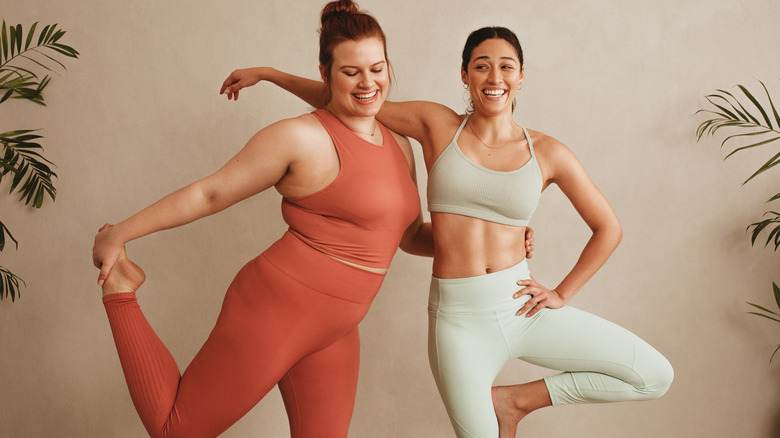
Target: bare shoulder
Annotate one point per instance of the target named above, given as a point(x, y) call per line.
point(549, 148)
point(556, 160)
point(302, 129)
point(296, 136)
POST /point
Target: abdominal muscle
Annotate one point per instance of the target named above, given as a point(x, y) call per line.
point(468, 247)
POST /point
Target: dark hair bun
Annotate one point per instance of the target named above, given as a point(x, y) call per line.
point(338, 8)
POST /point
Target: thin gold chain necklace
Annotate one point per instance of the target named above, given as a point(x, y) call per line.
point(371, 134)
point(483, 142)
point(373, 130)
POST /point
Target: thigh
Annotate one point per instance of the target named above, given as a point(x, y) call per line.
point(569, 339)
point(466, 354)
point(268, 322)
point(319, 390)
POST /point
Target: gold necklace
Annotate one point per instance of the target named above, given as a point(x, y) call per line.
point(483, 142)
point(371, 134)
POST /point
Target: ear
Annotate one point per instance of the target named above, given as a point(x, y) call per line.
point(464, 77)
point(522, 73)
point(323, 74)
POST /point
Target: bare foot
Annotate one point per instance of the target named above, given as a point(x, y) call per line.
point(508, 411)
point(513, 403)
point(125, 276)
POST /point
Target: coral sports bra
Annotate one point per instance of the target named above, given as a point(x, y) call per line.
point(362, 215)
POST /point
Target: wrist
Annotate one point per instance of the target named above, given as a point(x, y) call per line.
point(268, 74)
point(563, 294)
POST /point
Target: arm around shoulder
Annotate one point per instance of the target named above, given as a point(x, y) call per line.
point(417, 119)
point(312, 92)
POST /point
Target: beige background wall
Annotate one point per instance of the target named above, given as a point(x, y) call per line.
point(139, 116)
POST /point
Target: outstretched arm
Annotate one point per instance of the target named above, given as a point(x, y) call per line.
point(416, 119)
point(258, 166)
point(562, 168)
point(312, 92)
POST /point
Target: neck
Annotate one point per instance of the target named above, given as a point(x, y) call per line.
point(494, 128)
point(363, 125)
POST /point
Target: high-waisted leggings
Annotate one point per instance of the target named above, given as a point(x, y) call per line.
point(289, 318)
point(474, 331)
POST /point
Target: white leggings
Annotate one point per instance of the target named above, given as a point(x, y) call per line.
point(474, 332)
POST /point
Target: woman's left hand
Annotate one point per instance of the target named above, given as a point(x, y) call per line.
point(541, 297)
point(241, 78)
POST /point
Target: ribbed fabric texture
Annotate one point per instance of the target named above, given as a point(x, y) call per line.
point(361, 216)
point(272, 328)
point(458, 185)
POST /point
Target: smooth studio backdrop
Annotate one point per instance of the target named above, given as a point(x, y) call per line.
point(139, 115)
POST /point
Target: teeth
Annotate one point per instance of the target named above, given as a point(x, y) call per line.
point(366, 96)
point(494, 93)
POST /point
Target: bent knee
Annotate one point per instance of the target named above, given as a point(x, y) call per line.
point(658, 381)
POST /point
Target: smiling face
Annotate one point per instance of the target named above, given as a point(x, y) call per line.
point(358, 78)
point(493, 74)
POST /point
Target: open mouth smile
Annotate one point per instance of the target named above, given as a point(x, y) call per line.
point(367, 98)
point(494, 94)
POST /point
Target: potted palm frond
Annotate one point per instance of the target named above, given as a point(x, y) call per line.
point(756, 125)
point(21, 157)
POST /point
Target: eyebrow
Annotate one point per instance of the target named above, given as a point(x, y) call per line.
point(503, 57)
point(372, 65)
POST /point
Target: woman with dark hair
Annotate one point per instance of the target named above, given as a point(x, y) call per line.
point(290, 316)
point(485, 176)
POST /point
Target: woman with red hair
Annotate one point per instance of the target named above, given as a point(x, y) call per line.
point(290, 316)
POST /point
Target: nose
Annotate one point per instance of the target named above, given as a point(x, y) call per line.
point(495, 76)
point(366, 80)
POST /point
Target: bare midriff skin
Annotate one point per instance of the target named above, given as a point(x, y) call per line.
point(468, 247)
point(365, 268)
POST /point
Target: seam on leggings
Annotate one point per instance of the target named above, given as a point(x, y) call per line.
point(497, 319)
point(633, 363)
point(295, 401)
point(471, 435)
point(639, 377)
point(438, 368)
point(306, 285)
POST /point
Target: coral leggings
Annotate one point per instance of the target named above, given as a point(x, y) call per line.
point(289, 318)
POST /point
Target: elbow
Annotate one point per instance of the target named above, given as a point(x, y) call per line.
point(208, 201)
point(408, 246)
point(610, 231)
point(417, 241)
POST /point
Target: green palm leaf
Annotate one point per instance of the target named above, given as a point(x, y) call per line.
point(9, 284)
point(21, 157)
point(31, 175)
point(3, 231)
point(769, 314)
point(16, 48)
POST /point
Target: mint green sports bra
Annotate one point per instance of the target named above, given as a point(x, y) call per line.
point(458, 185)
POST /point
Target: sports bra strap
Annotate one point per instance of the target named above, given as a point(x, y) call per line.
point(530, 143)
point(460, 128)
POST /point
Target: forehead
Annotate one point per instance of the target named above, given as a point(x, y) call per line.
point(494, 48)
point(366, 51)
